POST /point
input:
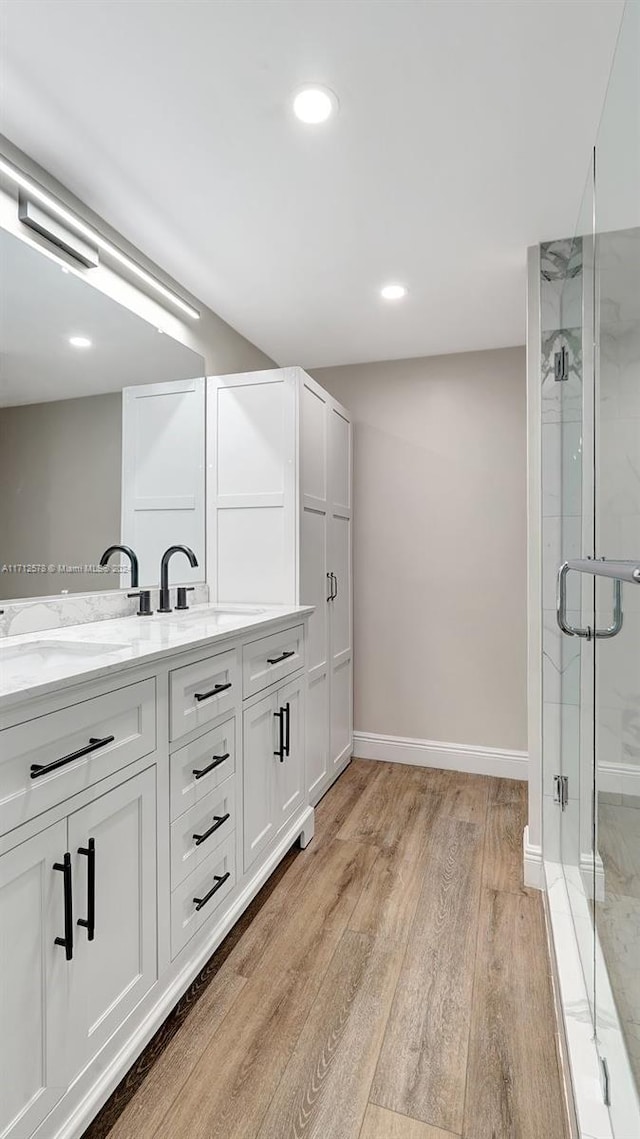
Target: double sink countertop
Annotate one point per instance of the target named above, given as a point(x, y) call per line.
point(35, 664)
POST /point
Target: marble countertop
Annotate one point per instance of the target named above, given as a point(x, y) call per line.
point(35, 664)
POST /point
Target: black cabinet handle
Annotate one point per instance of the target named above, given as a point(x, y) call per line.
point(218, 879)
point(218, 821)
point(335, 586)
point(330, 580)
point(67, 940)
point(214, 691)
point(283, 656)
point(89, 923)
point(217, 760)
point(38, 769)
point(280, 752)
point(287, 727)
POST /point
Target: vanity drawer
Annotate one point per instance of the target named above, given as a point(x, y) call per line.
point(207, 887)
point(203, 691)
point(271, 658)
point(46, 760)
point(196, 834)
point(213, 756)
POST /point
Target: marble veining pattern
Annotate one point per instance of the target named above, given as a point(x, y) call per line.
point(561, 259)
point(38, 614)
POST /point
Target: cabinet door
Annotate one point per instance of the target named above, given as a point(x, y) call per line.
point(260, 743)
point(115, 962)
point(251, 491)
point(314, 587)
point(34, 975)
point(340, 607)
point(289, 770)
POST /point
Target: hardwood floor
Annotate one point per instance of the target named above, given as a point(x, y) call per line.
point(390, 982)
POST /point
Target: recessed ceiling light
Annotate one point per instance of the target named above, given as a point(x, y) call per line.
point(314, 104)
point(80, 341)
point(393, 292)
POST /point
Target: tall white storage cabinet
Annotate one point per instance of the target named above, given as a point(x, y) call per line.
point(279, 508)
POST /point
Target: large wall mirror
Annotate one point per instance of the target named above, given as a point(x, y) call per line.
point(101, 435)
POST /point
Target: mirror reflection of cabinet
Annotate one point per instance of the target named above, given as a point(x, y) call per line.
point(163, 474)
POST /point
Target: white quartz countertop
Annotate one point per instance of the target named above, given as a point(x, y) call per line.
point(35, 664)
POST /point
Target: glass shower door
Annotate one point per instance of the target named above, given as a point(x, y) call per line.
point(616, 711)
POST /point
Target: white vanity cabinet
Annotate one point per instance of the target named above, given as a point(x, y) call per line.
point(279, 513)
point(139, 815)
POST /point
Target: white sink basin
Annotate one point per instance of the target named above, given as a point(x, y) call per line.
point(50, 654)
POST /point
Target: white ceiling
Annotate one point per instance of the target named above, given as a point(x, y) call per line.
point(41, 307)
point(463, 136)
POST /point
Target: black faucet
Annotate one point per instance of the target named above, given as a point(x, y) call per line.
point(164, 606)
point(132, 558)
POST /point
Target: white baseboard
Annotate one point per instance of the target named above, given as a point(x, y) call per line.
point(592, 876)
point(451, 757)
point(533, 867)
point(619, 778)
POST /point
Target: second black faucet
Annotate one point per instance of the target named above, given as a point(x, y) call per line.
point(165, 599)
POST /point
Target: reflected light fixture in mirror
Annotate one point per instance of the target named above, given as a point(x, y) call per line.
point(393, 292)
point(314, 104)
point(80, 341)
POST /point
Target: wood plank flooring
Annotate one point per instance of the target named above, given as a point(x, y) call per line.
point(391, 981)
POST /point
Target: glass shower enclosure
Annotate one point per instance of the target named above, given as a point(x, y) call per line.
point(590, 353)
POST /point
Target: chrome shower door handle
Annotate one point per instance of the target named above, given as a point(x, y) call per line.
point(561, 608)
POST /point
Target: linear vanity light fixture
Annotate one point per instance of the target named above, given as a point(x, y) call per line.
point(93, 237)
point(39, 220)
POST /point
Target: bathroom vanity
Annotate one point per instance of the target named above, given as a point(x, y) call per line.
point(152, 775)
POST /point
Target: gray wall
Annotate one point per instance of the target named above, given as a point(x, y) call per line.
point(439, 545)
point(60, 474)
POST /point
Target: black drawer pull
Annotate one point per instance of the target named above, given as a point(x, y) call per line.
point(89, 923)
point(217, 760)
point(219, 880)
point(214, 691)
point(279, 715)
point(283, 656)
point(287, 728)
point(93, 745)
point(218, 821)
point(67, 940)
